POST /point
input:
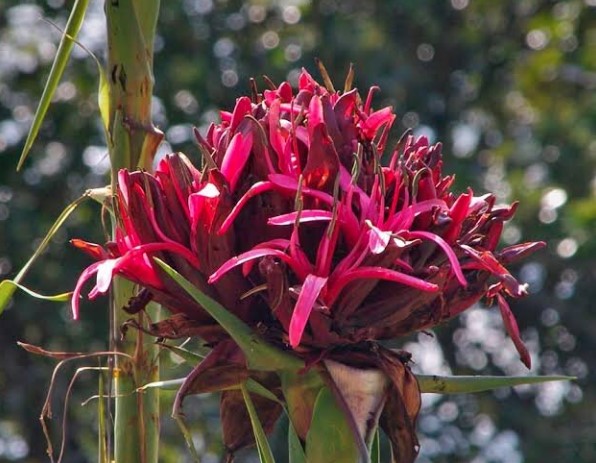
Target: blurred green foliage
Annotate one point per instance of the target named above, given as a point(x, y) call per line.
point(508, 86)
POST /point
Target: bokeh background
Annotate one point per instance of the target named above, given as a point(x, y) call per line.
point(508, 86)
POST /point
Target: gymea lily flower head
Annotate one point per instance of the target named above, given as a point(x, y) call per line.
point(308, 229)
point(297, 224)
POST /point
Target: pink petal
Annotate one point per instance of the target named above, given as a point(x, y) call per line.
point(277, 243)
point(513, 330)
point(315, 115)
point(276, 138)
point(516, 252)
point(136, 265)
point(291, 184)
point(285, 91)
point(377, 273)
point(490, 263)
point(378, 240)
point(377, 119)
point(369, 98)
point(311, 288)
point(123, 176)
point(458, 213)
point(105, 272)
point(303, 265)
point(349, 224)
point(322, 163)
point(428, 205)
point(310, 215)
point(290, 108)
point(170, 247)
point(208, 191)
point(357, 254)
point(326, 249)
point(401, 221)
point(447, 249)
point(96, 251)
point(306, 82)
point(236, 157)
point(345, 182)
point(196, 200)
point(344, 106)
point(254, 190)
point(76, 295)
point(246, 257)
point(225, 116)
point(403, 264)
point(242, 108)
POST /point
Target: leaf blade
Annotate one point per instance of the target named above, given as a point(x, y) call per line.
point(259, 354)
point(8, 287)
point(75, 20)
point(295, 449)
point(62, 297)
point(330, 438)
point(471, 384)
point(263, 447)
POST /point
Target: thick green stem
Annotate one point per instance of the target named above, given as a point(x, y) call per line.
point(131, 32)
point(133, 141)
point(136, 424)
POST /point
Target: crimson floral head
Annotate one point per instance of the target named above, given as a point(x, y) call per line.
point(304, 225)
point(302, 221)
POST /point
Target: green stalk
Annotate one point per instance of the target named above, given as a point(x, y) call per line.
point(132, 141)
point(136, 423)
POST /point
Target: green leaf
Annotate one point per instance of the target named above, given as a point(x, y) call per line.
point(259, 354)
point(257, 388)
point(7, 290)
point(169, 384)
point(252, 385)
point(375, 451)
point(73, 26)
point(263, 447)
point(103, 94)
point(470, 384)
point(189, 357)
point(103, 99)
point(330, 439)
point(8, 287)
point(296, 452)
point(187, 437)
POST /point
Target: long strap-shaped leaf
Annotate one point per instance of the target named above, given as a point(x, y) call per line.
point(295, 450)
point(263, 447)
point(330, 438)
point(8, 287)
point(470, 384)
point(259, 354)
point(73, 26)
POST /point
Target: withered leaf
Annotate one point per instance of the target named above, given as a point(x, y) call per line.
point(237, 430)
point(398, 419)
point(224, 367)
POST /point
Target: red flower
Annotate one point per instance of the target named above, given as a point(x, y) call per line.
point(296, 226)
point(348, 250)
point(175, 215)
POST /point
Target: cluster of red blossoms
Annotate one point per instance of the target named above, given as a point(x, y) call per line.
point(298, 226)
point(331, 245)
